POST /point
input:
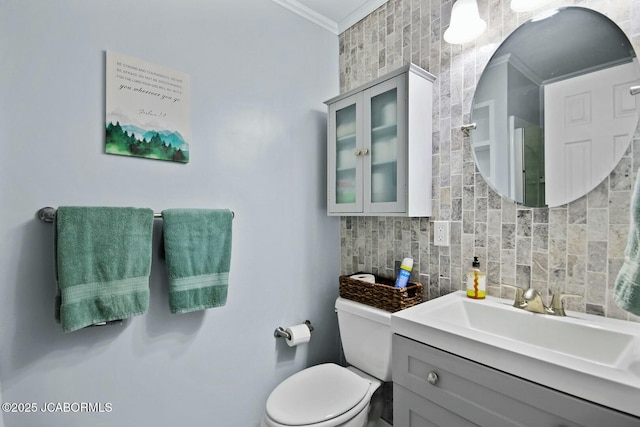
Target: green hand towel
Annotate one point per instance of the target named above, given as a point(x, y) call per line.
point(197, 245)
point(103, 260)
point(627, 291)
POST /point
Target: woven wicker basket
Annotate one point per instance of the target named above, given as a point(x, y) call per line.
point(381, 294)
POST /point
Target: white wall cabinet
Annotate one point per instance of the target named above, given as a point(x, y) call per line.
point(435, 388)
point(379, 147)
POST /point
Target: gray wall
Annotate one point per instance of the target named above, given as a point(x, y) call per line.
point(1, 414)
point(576, 248)
point(259, 75)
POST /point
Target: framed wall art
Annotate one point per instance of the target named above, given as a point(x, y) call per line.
point(147, 110)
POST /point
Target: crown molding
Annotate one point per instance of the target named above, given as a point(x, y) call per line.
point(358, 14)
point(309, 14)
point(334, 27)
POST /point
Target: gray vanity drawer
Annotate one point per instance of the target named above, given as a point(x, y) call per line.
point(484, 396)
point(411, 410)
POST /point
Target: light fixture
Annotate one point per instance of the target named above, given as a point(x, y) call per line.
point(465, 24)
point(527, 5)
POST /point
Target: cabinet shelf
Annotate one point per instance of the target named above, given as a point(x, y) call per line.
point(385, 129)
point(343, 170)
point(346, 139)
point(381, 164)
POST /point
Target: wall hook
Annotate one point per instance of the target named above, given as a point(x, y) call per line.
point(467, 128)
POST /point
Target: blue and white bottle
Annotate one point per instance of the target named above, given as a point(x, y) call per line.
point(404, 273)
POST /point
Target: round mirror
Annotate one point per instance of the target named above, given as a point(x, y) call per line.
point(553, 109)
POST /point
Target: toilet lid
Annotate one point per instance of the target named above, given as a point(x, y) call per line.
point(316, 394)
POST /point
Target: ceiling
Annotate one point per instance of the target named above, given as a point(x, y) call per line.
point(559, 47)
point(333, 15)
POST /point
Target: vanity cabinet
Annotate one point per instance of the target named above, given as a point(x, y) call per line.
point(379, 147)
point(434, 388)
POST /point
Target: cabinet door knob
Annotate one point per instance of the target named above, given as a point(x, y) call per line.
point(432, 378)
point(365, 151)
point(357, 152)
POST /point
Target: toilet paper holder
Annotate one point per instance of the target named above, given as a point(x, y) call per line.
point(281, 333)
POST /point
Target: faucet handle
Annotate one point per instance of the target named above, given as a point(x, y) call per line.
point(556, 306)
point(519, 299)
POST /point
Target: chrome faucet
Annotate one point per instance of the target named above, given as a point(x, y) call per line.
point(531, 300)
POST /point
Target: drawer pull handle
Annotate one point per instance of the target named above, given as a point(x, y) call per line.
point(432, 378)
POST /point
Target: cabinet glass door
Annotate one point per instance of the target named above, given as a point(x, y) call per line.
point(384, 152)
point(385, 137)
point(344, 156)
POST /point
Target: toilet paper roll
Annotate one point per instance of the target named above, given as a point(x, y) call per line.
point(299, 334)
point(364, 277)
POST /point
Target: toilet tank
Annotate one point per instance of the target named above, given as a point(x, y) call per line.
point(365, 333)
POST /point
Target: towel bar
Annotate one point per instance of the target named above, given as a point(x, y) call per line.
point(48, 214)
point(110, 322)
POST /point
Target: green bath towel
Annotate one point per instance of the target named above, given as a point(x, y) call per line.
point(103, 262)
point(197, 246)
point(627, 290)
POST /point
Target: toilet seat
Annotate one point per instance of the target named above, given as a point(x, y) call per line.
point(319, 396)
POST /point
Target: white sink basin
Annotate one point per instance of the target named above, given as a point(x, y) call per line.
point(579, 339)
point(588, 356)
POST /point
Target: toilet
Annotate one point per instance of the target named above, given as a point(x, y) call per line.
point(329, 395)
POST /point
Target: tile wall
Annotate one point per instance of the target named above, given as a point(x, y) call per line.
point(576, 248)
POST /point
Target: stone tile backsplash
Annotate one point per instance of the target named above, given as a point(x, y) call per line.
point(576, 248)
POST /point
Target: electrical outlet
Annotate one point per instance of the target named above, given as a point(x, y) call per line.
point(441, 233)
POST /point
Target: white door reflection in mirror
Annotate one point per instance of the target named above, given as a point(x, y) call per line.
point(592, 117)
